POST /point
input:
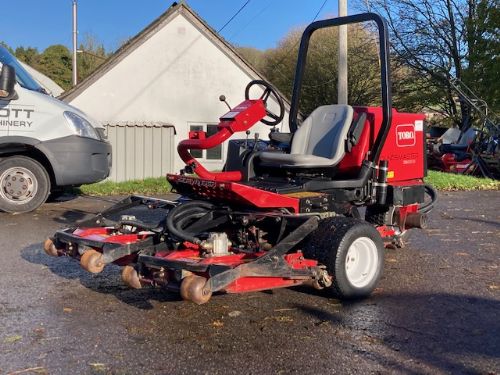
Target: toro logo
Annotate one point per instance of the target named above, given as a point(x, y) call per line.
point(405, 135)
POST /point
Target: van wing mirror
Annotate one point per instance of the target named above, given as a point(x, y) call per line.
point(7, 83)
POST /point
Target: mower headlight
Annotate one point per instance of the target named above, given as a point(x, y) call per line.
point(80, 126)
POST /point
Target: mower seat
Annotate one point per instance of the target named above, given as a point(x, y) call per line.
point(319, 142)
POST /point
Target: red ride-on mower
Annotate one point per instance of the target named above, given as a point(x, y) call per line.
point(283, 212)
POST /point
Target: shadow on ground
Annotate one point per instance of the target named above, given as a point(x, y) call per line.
point(438, 329)
point(107, 282)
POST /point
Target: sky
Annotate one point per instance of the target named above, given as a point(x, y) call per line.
point(261, 23)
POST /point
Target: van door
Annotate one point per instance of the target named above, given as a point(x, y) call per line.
point(21, 118)
point(4, 118)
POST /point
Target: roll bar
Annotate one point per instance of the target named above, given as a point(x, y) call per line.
point(384, 73)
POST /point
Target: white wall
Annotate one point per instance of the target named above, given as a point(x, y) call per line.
point(176, 77)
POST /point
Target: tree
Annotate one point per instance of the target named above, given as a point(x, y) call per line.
point(92, 55)
point(55, 62)
point(483, 40)
point(320, 75)
point(442, 40)
point(254, 56)
point(28, 55)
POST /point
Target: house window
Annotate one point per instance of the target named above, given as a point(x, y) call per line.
point(196, 153)
point(214, 153)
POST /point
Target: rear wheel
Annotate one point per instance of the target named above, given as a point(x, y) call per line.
point(380, 215)
point(353, 253)
point(24, 184)
point(387, 215)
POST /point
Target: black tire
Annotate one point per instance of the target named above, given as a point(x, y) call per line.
point(29, 183)
point(386, 215)
point(330, 245)
point(379, 215)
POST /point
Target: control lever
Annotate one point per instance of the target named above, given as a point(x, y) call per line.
point(246, 140)
point(222, 98)
point(256, 140)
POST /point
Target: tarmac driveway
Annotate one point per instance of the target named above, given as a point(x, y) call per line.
point(437, 309)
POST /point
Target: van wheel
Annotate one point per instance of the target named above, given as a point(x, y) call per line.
point(24, 184)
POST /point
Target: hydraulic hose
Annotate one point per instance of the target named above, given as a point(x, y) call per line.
point(181, 214)
point(428, 206)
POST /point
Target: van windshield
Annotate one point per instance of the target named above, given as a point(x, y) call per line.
point(23, 77)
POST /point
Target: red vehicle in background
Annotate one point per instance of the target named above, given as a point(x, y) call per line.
point(471, 154)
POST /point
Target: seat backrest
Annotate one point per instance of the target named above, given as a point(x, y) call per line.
point(324, 132)
point(467, 137)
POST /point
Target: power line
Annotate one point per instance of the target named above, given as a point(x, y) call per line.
point(319, 11)
point(251, 20)
point(297, 42)
point(229, 21)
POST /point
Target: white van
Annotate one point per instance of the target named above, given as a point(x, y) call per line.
point(45, 144)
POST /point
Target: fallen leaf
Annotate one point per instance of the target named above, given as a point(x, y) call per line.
point(371, 340)
point(39, 332)
point(494, 287)
point(283, 318)
point(36, 370)
point(98, 366)
point(234, 314)
point(217, 324)
point(67, 309)
point(12, 339)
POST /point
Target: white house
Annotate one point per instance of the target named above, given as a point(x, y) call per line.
point(171, 73)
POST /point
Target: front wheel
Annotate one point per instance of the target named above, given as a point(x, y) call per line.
point(24, 184)
point(353, 253)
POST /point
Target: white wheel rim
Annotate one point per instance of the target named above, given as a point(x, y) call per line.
point(18, 185)
point(361, 262)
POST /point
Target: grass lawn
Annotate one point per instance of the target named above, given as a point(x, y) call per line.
point(149, 186)
point(158, 186)
point(452, 181)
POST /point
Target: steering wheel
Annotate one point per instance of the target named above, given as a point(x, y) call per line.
point(268, 91)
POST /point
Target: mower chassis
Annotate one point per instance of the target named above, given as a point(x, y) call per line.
point(147, 254)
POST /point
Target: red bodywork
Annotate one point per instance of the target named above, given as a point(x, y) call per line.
point(450, 163)
point(403, 148)
point(239, 119)
point(242, 284)
point(237, 193)
point(106, 235)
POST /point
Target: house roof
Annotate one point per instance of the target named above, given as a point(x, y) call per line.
point(148, 32)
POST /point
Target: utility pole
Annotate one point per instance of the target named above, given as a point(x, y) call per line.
point(342, 78)
point(75, 42)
